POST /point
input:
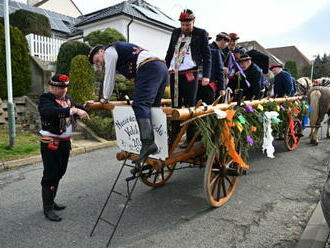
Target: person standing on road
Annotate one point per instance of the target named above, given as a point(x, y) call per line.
point(58, 113)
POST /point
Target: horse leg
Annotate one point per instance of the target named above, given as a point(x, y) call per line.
point(314, 137)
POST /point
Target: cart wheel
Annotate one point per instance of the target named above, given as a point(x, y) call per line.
point(291, 141)
point(220, 178)
point(157, 177)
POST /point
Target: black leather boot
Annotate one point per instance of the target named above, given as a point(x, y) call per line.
point(57, 207)
point(48, 204)
point(147, 139)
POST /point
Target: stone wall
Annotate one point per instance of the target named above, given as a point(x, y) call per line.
point(26, 114)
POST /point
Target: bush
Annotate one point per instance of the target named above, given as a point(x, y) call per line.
point(20, 63)
point(29, 22)
point(68, 51)
point(81, 80)
point(102, 124)
point(105, 37)
point(123, 87)
point(291, 66)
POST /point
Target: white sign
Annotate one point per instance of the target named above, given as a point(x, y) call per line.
point(128, 135)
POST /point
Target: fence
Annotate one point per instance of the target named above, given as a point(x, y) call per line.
point(44, 47)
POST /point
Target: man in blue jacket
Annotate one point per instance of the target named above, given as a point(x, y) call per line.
point(283, 85)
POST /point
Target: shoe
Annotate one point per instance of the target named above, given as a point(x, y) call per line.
point(50, 215)
point(58, 207)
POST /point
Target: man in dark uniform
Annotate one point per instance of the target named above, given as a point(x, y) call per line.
point(151, 76)
point(216, 87)
point(188, 50)
point(283, 85)
point(233, 47)
point(221, 42)
point(251, 84)
point(57, 112)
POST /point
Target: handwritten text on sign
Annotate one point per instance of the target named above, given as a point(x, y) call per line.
point(128, 135)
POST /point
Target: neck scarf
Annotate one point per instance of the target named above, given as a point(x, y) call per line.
point(179, 55)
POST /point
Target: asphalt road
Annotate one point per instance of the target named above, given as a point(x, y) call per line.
point(269, 208)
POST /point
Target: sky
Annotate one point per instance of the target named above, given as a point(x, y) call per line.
point(273, 23)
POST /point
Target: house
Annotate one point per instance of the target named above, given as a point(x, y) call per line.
point(65, 7)
point(249, 45)
point(62, 25)
point(290, 53)
point(137, 20)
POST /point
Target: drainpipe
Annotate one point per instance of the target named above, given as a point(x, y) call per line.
point(130, 22)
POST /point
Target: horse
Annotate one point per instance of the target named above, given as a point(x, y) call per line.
point(323, 81)
point(319, 100)
point(303, 85)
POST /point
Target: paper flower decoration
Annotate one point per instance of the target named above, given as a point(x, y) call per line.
point(249, 140)
point(260, 107)
point(249, 108)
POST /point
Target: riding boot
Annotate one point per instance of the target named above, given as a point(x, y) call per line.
point(48, 204)
point(147, 139)
point(57, 207)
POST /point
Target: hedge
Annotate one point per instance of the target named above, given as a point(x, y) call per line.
point(68, 51)
point(30, 22)
point(20, 63)
point(105, 37)
point(81, 80)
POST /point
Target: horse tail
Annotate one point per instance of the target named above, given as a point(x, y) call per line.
point(314, 100)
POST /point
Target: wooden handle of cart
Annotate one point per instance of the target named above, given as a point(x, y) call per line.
point(112, 104)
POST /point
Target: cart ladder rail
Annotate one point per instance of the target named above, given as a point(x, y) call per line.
point(130, 186)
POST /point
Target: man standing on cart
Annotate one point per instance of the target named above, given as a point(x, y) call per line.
point(188, 50)
point(150, 75)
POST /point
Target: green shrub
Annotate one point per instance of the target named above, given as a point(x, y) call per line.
point(29, 22)
point(124, 87)
point(81, 80)
point(291, 66)
point(102, 124)
point(20, 63)
point(68, 51)
point(105, 37)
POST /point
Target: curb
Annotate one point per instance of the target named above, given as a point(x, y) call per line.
point(13, 164)
point(316, 232)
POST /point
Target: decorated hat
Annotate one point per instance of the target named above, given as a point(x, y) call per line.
point(243, 57)
point(92, 53)
point(186, 15)
point(271, 66)
point(222, 36)
point(233, 36)
point(59, 80)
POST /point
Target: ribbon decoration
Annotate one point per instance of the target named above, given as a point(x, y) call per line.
point(229, 141)
point(233, 66)
point(268, 137)
point(292, 131)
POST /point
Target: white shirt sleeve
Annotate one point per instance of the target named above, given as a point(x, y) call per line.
point(110, 59)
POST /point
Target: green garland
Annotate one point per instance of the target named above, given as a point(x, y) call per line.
point(248, 130)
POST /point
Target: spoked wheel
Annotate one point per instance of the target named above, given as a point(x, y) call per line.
point(157, 177)
point(292, 137)
point(220, 178)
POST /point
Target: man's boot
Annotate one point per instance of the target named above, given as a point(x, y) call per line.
point(57, 207)
point(147, 139)
point(48, 204)
point(189, 136)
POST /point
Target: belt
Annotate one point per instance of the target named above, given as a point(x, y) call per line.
point(49, 139)
point(185, 71)
point(149, 60)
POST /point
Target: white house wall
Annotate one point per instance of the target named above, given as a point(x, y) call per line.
point(147, 36)
point(65, 7)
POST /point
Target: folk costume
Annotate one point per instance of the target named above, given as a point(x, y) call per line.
point(57, 122)
point(150, 74)
point(283, 84)
point(186, 54)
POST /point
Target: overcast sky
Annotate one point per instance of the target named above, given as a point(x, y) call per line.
point(273, 23)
